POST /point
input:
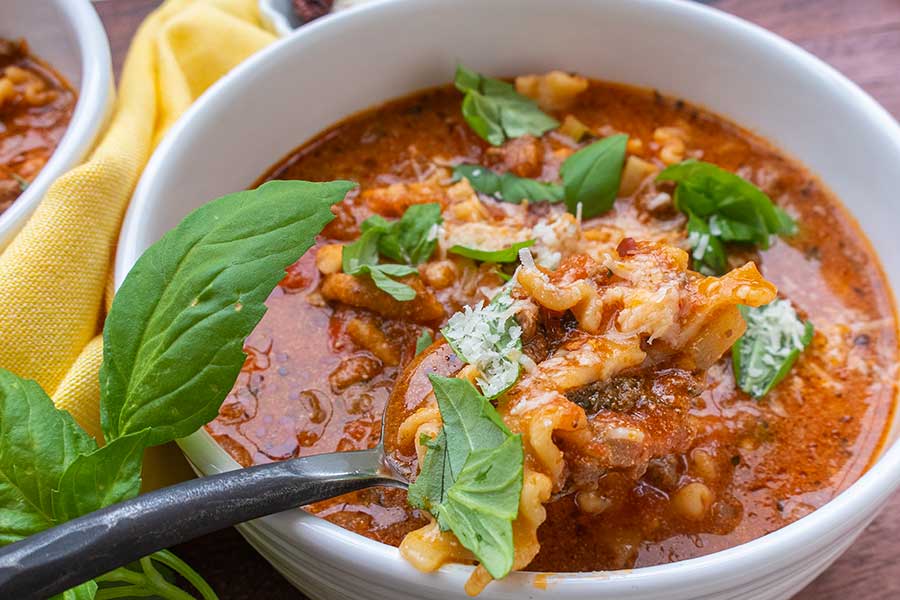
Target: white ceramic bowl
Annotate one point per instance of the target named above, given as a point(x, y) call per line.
point(350, 61)
point(68, 35)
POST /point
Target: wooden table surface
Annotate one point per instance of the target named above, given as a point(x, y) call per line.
point(861, 38)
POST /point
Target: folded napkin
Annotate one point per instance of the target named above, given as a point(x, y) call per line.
point(55, 276)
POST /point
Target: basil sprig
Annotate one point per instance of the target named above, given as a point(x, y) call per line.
point(172, 349)
point(506, 186)
point(496, 111)
point(774, 339)
point(471, 476)
point(410, 240)
point(723, 207)
point(506, 255)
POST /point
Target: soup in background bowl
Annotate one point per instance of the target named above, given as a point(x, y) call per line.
point(334, 562)
point(41, 142)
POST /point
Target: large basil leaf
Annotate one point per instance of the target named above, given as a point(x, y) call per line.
point(774, 339)
point(471, 477)
point(507, 187)
point(592, 175)
point(496, 111)
point(173, 338)
point(37, 445)
point(105, 476)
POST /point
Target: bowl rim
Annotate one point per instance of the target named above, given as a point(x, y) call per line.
point(206, 456)
point(91, 110)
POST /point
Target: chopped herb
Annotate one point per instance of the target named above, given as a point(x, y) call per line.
point(592, 175)
point(23, 183)
point(410, 240)
point(774, 339)
point(496, 111)
point(424, 340)
point(471, 477)
point(507, 187)
point(489, 338)
point(506, 255)
point(731, 208)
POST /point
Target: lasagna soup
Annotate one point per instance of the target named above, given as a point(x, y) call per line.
point(657, 335)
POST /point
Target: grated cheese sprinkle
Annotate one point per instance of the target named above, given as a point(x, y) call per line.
point(489, 338)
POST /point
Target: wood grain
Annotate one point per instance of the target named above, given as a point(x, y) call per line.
point(861, 38)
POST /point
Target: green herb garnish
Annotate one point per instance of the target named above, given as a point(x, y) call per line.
point(173, 346)
point(23, 183)
point(591, 176)
point(506, 255)
point(410, 240)
point(732, 208)
point(471, 477)
point(496, 111)
point(424, 340)
point(774, 339)
point(507, 187)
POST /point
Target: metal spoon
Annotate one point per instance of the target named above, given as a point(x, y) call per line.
point(64, 556)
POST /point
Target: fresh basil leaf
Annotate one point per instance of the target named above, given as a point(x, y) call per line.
point(489, 338)
point(489, 538)
point(496, 112)
point(424, 340)
point(774, 339)
point(429, 489)
point(507, 187)
point(85, 591)
point(506, 255)
point(735, 209)
point(37, 445)
point(173, 340)
point(105, 476)
point(707, 251)
point(491, 480)
point(592, 175)
point(395, 289)
point(411, 239)
point(470, 420)
point(483, 502)
point(471, 477)
point(361, 253)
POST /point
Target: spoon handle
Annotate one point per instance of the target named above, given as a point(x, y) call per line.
point(57, 559)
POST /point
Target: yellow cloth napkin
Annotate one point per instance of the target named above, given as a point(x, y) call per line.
point(56, 272)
